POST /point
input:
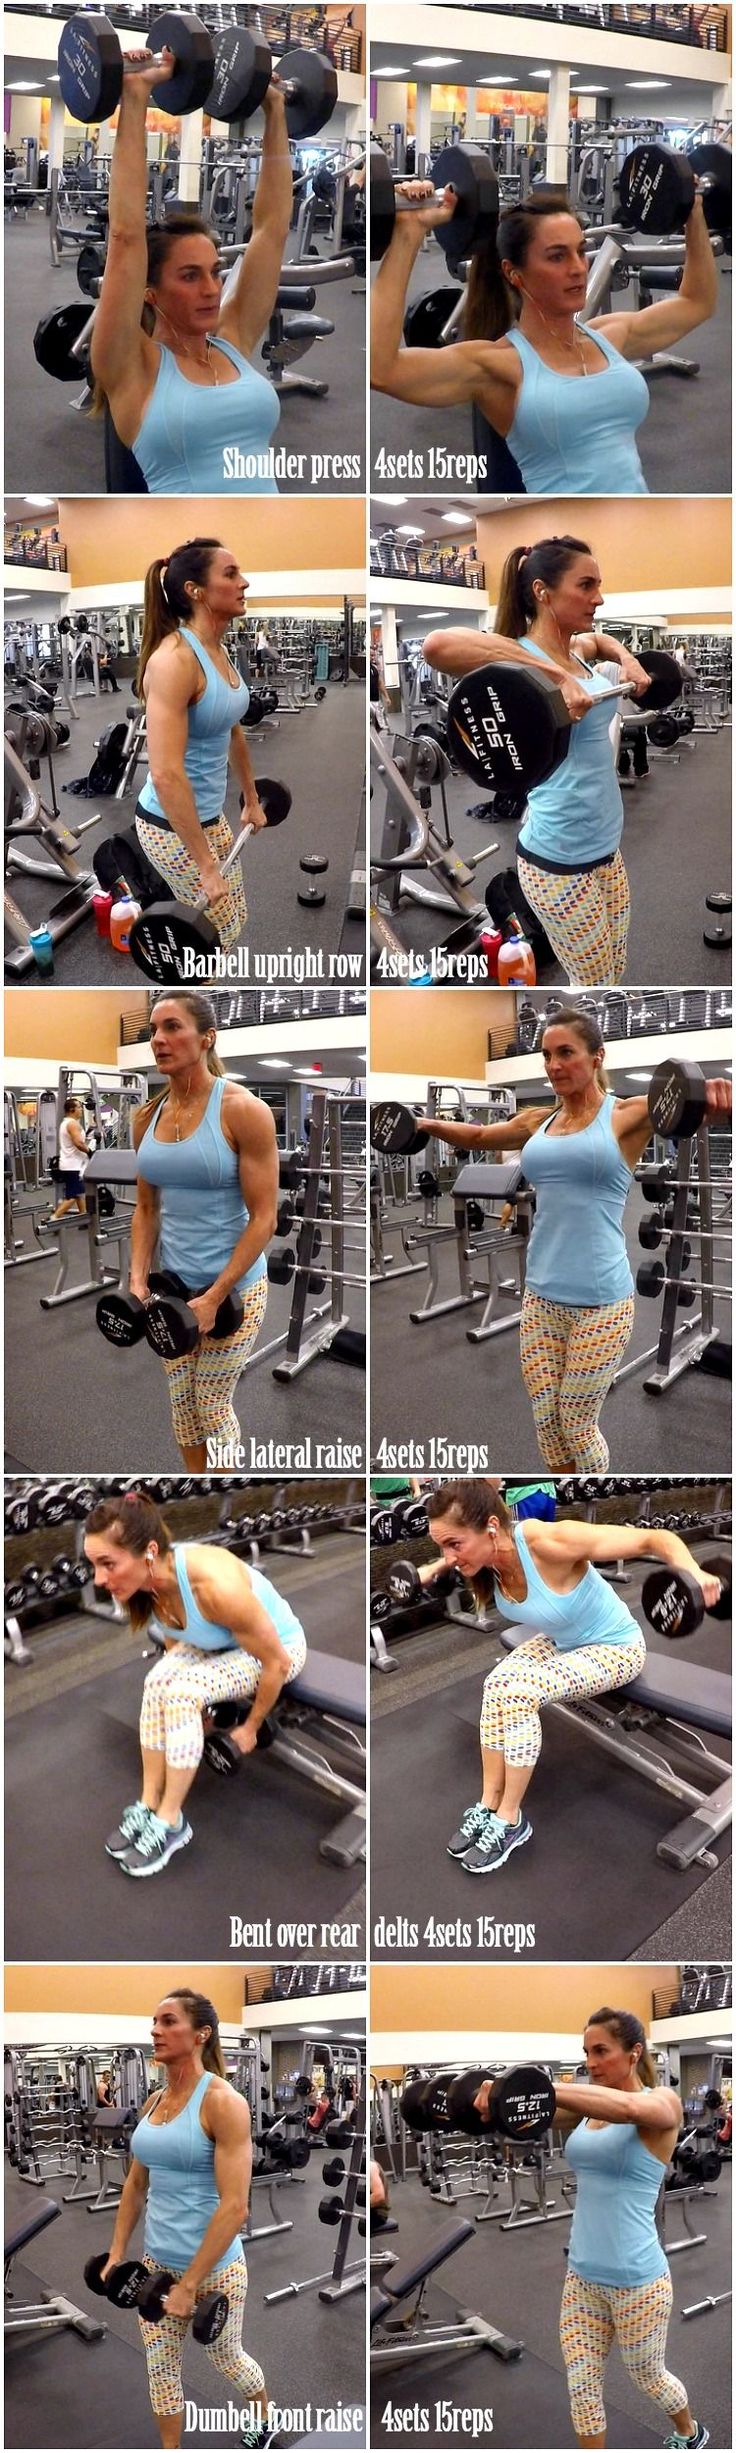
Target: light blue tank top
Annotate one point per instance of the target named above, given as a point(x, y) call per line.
point(574, 434)
point(188, 427)
point(209, 1635)
point(203, 1214)
point(593, 1614)
point(577, 1249)
point(210, 720)
point(614, 2238)
point(182, 2192)
point(576, 817)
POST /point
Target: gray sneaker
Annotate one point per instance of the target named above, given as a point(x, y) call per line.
point(132, 1823)
point(469, 1830)
point(156, 1843)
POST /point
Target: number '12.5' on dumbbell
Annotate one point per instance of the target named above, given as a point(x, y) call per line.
point(167, 936)
point(521, 2105)
point(165, 1319)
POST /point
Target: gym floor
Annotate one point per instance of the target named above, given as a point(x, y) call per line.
point(72, 1763)
point(516, 2283)
point(77, 1403)
point(319, 753)
point(683, 802)
point(587, 1810)
point(683, 444)
point(417, 1376)
point(55, 448)
point(76, 2393)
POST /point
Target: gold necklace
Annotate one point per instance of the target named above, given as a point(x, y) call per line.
point(577, 343)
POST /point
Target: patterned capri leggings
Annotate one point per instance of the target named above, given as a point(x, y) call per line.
point(202, 1384)
point(183, 1681)
point(163, 2344)
point(593, 2316)
point(180, 872)
point(570, 1354)
point(536, 1673)
point(586, 916)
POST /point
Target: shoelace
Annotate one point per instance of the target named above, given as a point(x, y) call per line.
point(154, 1831)
point(134, 1820)
point(493, 1829)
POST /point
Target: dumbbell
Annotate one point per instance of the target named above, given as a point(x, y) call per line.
point(165, 1319)
point(21, 1591)
point(243, 68)
point(522, 2104)
point(92, 65)
point(396, 1130)
point(717, 930)
point(22, 1511)
point(72, 1572)
point(283, 1266)
point(332, 2210)
point(676, 1099)
point(652, 1279)
point(219, 1752)
point(210, 2315)
point(672, 1600)
point(123, 2283)
point(313, 866)
point(657, 188)
point(467, 169)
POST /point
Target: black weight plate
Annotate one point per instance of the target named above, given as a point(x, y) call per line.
point(508, 728)
point(468, 169)
point(382, 204)
point(714, 164)
point(425, 320)
point(121, 1318)
point(663, 732)
point(309, 109)
point(672, 1602)
point(402, 1582)
point(171, 1329)
point(90, 68)
point(394, 1128)
point(164, 935)
point(90, 268)
point(665, 682)
point(242, 74)
point(676, 1098)
point(523, 2104)
point(53, 340)
point(656, 190)
point(461, 2107)
point(188, 87)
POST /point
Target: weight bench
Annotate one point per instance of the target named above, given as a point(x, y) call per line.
point(52, 2310)
point(653, 1727)
point(316, 1711)
point(413, 2334)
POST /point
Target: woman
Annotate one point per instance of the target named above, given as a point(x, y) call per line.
point(207, 1196)
point(195, 700)
point(190, 2177)
point(586, 1640)
point(568, 435)
point(163, 341)
point(577, 1310)
point(623, 2128)
point(228, 1634)
point(72, 1150)
point(567, 855)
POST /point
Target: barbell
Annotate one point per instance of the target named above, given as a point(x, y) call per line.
point(228, 80)
point(165, 936)
point(283, 1266)
point(466, 169)
point(509, 727)
point(657, 188)
point(652, 1279)
point(521, 2106)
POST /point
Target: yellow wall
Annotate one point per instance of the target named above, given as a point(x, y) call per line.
point(131, 1990)
point(553, 1998)
point(69, 1022)
point(444, 1034)
point(109, 538)
point(638, 543)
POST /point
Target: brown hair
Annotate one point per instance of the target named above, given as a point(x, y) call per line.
point(472, 1503)
point(586, 1028)
point(548, 560)
point(628, 2031)
point(160, 236)
point(133, 1522)
point(204, 1018)
point(202, 2014)
point(165, 601)
point(492, 304)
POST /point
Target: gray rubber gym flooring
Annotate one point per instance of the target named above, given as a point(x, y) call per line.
point(676, 845)
point(52, 447)
point(74, 1403)
point(319, 753)
point(430, 1376)
point(589, 1881)
point(683, 444)
point(63, 2391)
point(73, 1763)
point(516, 2282)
